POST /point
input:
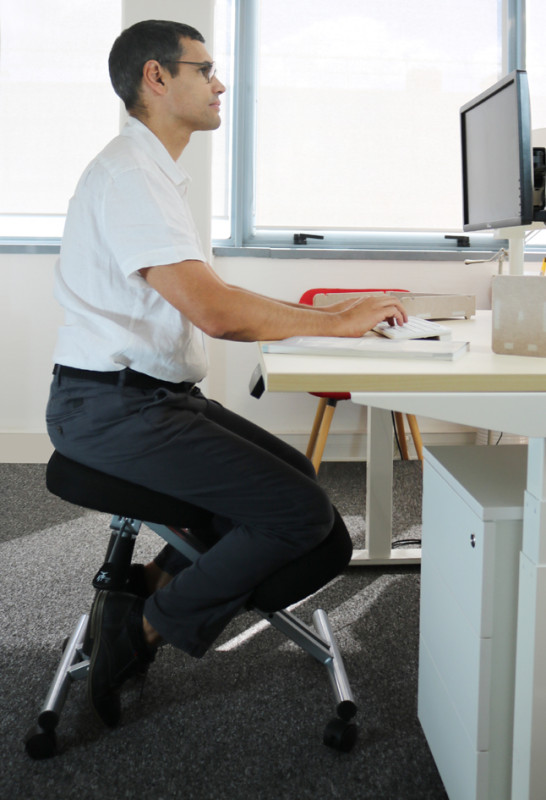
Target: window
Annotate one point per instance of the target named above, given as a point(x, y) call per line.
point(536, 68)
point(347, 117)
point(535, 63)
point(57, 105)
point(339, 118)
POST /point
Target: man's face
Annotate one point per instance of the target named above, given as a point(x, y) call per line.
point(192, 101)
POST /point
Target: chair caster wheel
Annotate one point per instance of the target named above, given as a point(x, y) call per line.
point(40, 743)
point(340, 735)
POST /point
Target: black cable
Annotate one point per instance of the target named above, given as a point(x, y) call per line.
point(404, 542)
point(396, 434)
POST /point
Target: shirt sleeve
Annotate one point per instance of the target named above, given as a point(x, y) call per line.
point(147, 222)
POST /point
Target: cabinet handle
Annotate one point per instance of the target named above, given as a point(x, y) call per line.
point(473, 540)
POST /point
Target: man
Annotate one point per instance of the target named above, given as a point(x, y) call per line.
point(138, 294)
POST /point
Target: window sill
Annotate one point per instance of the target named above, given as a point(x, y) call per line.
point(30, 246)
point(303, 251)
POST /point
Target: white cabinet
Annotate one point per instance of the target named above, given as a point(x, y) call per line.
point(472, 529)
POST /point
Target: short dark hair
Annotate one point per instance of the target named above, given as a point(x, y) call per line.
point(151, 39)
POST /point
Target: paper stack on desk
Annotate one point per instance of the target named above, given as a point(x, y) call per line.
point(369, 347)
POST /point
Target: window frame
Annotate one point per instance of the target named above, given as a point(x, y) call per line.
point(247, 241)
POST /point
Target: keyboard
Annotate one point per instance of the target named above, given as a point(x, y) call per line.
point(414, 328)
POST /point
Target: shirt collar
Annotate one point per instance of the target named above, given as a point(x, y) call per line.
point(136, 130)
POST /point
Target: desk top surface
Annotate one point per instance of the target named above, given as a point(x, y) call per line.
point(480, 370)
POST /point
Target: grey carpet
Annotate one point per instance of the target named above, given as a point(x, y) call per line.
point(243, 723)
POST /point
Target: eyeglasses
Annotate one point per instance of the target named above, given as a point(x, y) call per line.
point(207, 68)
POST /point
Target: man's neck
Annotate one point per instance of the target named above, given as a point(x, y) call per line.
point(174, 141)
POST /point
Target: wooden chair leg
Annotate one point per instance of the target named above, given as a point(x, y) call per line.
point(416, 434)
point(316, 427)
point(401, 434)
point(323, 433)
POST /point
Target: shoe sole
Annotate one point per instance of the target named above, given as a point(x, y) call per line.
point(95, 626)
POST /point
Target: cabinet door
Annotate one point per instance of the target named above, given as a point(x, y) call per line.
point(461, 657)
point(464, 770)
point(454, 541)
point(469, 583)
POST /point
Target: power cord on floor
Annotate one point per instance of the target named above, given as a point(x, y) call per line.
point(406, 543)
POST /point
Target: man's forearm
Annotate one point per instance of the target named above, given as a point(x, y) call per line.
point(231, 312)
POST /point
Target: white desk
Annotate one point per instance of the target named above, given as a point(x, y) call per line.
point(484, 390)
point(481, 389)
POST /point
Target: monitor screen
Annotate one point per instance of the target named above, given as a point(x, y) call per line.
point(497, 156)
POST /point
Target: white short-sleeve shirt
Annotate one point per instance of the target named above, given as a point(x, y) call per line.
point(129, 211)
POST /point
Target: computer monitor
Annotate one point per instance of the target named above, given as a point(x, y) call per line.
point(498, 169)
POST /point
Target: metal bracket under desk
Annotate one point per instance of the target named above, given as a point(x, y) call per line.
point(379, 482)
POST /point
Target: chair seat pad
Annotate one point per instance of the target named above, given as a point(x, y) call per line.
point(89, 488)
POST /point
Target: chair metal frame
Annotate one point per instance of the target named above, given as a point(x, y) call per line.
point(41, 742)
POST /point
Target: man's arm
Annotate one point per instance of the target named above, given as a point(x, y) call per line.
point(229, 312)
point(340, 305)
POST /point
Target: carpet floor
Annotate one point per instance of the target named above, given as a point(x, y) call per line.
point(243, 723)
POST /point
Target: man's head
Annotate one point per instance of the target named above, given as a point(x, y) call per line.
point(157, 40)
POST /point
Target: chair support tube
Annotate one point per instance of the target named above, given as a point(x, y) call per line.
point(300, 633)
point(346, 708)
point(49, 715)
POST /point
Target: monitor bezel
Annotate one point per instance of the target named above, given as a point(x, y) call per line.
point(519, 79)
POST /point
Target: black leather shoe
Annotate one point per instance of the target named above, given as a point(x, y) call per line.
point(136, 581)
point(119, 651)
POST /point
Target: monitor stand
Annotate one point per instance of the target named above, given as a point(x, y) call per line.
point(516, 244)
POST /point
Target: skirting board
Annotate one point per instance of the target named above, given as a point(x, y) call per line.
point(35, 448)
point(352, 446)
point(24, 448)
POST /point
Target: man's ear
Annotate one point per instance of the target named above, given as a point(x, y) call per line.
point(152, 77)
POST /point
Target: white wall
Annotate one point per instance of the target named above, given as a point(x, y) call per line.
point(28, 324)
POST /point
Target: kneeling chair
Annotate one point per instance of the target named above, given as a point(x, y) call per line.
point(173, 520)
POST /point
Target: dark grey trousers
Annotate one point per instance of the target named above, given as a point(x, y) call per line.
point(263, 492)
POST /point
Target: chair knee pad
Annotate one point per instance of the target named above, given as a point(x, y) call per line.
point(306, 574)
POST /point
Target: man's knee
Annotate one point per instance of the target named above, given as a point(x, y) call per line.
point(319, 519)
point(306, 466)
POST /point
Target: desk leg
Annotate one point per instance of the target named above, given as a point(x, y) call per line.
point(379, 483)
point(529, 751)
point(379, 497)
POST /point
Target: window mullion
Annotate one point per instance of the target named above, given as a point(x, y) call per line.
point(244, 121)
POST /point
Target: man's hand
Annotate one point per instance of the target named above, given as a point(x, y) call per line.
point(365, 313)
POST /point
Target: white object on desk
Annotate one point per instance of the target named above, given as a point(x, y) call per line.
point(472, 533)
point(414, 328)
point(368, 347)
